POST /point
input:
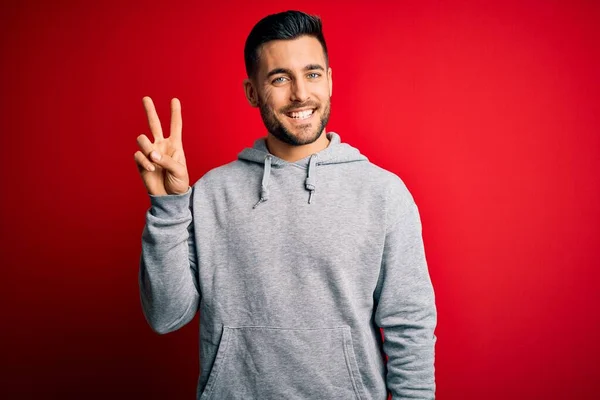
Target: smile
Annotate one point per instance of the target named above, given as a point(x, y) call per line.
point(304, 114)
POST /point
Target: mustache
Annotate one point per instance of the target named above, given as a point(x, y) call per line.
point(295, 107)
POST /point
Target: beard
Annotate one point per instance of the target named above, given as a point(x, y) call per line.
point(309, 133)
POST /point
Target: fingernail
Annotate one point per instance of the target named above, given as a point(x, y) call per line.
point(155, 156)
point(151, 168)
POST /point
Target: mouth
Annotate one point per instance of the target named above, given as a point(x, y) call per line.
point(301, 115)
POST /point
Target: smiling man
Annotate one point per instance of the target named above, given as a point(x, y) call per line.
point(296, 254)
point(293, 96)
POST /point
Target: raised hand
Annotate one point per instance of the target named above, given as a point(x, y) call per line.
point(162, 164)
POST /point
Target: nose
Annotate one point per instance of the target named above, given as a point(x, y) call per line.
point(299, 91)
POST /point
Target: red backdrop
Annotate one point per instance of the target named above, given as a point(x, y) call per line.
point(489, 112)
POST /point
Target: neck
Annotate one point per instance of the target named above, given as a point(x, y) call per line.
point(291, 153)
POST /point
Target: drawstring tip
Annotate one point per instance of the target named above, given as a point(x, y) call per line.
point(310, 196)
point(262, 200)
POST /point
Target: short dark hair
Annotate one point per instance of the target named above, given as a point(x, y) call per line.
point(286, 25)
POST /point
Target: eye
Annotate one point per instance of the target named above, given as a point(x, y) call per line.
point(316, 74)
point(279, 79)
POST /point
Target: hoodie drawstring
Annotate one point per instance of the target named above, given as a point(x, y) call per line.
point(310, 178)
point(264, 189)
point(309, 183)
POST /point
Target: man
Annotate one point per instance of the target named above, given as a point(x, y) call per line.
point(296, 253)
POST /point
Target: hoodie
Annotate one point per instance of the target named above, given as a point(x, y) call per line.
point(295, 268)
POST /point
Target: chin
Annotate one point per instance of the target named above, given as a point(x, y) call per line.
point(311, 138)
point(291, 136)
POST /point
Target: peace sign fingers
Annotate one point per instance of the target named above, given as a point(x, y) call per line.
point(165, 172)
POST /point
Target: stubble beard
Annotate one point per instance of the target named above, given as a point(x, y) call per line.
point(277, 128)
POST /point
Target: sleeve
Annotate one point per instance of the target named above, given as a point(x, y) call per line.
point(168, 271)
point(405, 305)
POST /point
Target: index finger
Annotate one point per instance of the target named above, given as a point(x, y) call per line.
point(153, 120)
point(176, 120)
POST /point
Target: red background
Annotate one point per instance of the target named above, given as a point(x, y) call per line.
point(489, 112)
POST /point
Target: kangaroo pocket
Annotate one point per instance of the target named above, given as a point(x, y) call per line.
point(278, 363)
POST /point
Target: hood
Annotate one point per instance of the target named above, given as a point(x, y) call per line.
point(335, 153)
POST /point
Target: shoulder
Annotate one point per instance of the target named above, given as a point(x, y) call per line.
point(397, 198)
point(224, 174)
point(391, 183)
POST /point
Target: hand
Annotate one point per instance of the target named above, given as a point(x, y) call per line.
point(162, 164)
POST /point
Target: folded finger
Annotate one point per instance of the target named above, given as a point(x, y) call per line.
point(143, 162)
point(145, 144)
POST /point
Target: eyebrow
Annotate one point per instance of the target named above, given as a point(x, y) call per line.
point(309, 67)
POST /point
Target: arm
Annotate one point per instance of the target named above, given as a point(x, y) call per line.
point(167, 275)
point(405, 306)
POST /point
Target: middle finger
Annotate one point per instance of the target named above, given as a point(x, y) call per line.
point(153, 120)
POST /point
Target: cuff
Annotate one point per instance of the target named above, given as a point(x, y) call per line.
point(170, 205)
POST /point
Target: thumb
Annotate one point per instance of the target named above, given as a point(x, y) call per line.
point(165, 161)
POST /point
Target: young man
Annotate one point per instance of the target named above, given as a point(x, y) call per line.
point(296, 253)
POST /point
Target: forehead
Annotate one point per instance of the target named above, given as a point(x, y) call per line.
point(291, 54)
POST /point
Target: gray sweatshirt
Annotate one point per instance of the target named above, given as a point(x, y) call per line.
point(294, 268)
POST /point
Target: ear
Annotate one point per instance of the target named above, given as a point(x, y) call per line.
point(251, 94)
point(330, 81)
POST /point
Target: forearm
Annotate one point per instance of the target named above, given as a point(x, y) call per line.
point(406, 311)
point(166, 277)
point(411, 357)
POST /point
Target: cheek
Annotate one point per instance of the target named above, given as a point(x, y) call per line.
point(323, 91)
point(276, 99)
point(319, 93)
point(269, 95)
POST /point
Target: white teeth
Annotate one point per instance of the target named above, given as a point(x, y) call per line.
point(301, 114)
